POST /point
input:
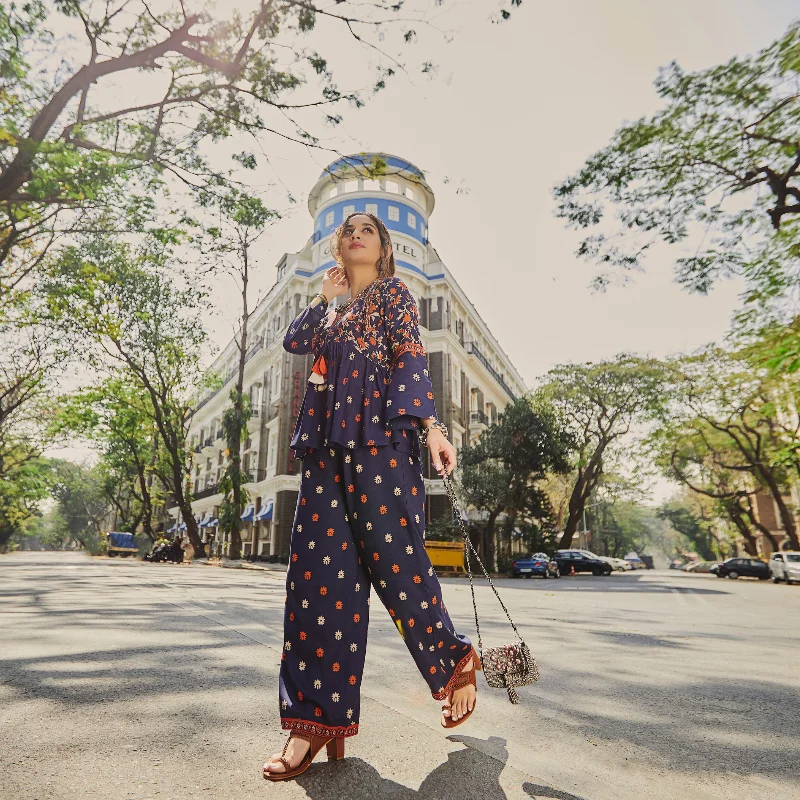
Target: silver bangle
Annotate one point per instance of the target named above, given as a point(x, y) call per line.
point(423, 434)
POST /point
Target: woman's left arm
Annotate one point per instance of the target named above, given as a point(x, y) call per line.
point(410, 388)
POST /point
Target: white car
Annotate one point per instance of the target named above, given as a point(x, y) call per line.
point(785, 566)
point(617, 564)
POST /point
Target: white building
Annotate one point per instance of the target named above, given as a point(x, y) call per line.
point(472, 377)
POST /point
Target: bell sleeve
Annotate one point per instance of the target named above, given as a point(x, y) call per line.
point(301, 338)
point(410, 395)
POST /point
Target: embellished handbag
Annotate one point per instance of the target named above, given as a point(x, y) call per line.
point(509, 665)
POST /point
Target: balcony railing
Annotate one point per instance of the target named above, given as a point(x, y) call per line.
point(253, 349)
point(255, 475)
point(478, 417)
point(207, 492)
point(471, 347)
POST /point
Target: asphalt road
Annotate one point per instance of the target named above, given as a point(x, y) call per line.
point(123, 679)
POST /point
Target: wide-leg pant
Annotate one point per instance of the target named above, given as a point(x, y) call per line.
point(359, 521)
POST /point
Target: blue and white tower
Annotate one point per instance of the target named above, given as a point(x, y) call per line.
point(377, 183)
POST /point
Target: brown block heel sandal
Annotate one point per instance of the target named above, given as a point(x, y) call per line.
point(335, 753)
point(464, 678)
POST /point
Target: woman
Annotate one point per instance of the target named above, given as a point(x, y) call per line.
point(360, 512)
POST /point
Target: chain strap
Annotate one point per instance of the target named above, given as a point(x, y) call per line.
point(459, 519)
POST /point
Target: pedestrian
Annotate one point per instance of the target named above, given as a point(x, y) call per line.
point(368, 413)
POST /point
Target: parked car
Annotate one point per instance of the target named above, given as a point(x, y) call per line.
point(700, 566)
point(536, 564)
point(742, 567)
point(617, 564)
point(677, 563)
point(578, 560)
point(633, 559)
point(785, 566)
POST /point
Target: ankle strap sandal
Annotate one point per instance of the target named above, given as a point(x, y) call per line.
point(335, 748)
point(462, 679)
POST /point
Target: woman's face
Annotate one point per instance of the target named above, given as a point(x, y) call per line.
point(361, 242)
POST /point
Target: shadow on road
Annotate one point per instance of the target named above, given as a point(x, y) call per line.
point(473, 772)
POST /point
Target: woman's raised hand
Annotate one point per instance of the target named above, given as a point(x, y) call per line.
point(335, 283)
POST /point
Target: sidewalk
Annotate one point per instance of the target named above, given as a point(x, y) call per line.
point(229, 563)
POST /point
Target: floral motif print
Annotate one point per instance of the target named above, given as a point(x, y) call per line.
point(325, 621)
point(377, 385)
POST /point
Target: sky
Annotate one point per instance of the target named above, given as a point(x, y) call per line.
point(515, 108)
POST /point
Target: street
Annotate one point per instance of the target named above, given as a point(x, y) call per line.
point(122, 679)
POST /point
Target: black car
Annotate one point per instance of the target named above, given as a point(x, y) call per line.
point(742, 567)
point(578, 561)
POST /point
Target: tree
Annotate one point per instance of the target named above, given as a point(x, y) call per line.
point(81, 504)
point(600, 403)
point(719, 165)
point(502, 471)
point(730, 411)
point(239, 222)
point(146, 330)
point(694, 518)
point(699, 457)
point(118, 419)
point(66, 148)
point(22, 486)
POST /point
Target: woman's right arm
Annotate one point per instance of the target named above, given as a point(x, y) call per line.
point(305, 329)
point(300, 337)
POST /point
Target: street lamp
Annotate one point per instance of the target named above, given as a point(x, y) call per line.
point(585, 531)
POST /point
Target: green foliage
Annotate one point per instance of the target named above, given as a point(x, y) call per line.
point(118, 420)
point(698, 527)
point(728, 432)
point(718, 165)
point(81, 505)
point(502, 471)
point(23, 484)
point(143, 327)
point(600, 403)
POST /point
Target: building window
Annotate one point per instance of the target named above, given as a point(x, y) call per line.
point(456, 384)
point(394, 214)
point(347, 211)
point(332, 192)
point(391, 186)
point(372, 208)
point(457, 440)
point(412, 220)
point(371, 185)
point(329, 219)
point(272, 453)
point(276, 380)
point(351, 186)
point(409, 193)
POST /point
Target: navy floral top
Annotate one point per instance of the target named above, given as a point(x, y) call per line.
point(372, 377)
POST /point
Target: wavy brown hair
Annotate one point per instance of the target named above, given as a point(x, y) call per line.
point(385, 265)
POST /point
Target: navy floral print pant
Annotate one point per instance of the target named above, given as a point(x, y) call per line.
point(359, 523)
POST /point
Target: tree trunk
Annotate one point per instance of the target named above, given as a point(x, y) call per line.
point(750, 541)
point(488, 543)
point(235, 442)
point(767, 533)
point(580, 494)
point(787, 518)
point(183, 503)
